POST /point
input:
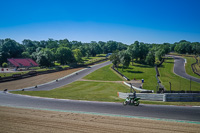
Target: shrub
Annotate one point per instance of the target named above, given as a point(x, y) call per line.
point(4, 65)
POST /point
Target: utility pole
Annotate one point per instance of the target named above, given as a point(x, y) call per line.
point(170, 87)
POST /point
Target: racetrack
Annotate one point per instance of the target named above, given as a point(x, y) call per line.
point(41, 80)
point(179, 68)
point(152, 112)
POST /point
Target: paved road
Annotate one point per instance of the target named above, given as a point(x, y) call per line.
point(68, 79)
point(179, 69)
point(153, 111)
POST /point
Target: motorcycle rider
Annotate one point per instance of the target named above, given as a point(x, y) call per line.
point(132, 96)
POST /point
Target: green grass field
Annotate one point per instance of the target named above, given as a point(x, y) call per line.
point(188, 68)
point(10, 74)
point(104, 74)
point(83, 90)
point(178, 83)
point(91, 59)
point(140, 71)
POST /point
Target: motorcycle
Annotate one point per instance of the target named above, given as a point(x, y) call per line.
point(131, 101)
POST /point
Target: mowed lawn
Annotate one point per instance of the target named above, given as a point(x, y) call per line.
point(178, 83)
point(139, 72)
point(83, 90)
point(104, 74)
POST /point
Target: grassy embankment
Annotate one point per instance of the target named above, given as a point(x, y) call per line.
point(83, 90)
point(178, 83)
point(140, 71)
point(188, 68)
point(104, 74)
point(88, 90)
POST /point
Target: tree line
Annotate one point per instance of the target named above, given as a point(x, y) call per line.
point(46, 52)
point(63, 51)
point(149, 53)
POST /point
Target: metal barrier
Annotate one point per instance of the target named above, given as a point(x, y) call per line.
point(167, 97)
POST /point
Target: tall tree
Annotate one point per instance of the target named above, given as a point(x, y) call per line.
point(52, 44)
point(77, 55)
point(64, 55)
point(150, 59)
point(115, 59)
point(133, 50)
point(45, 57)
point(9, 49)
point(29, 45)
point(124, 59)
point(143, 51)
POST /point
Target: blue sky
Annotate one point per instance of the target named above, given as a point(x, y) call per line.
point(149, 21)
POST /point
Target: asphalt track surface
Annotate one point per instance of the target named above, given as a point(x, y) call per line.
point(149, 111)
point(179, 69)
point(68, 79)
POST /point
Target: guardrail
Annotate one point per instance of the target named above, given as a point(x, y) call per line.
point(194, 68)
point(182, 97)
point(139, 89)
point(120, 73)
point(167, 97)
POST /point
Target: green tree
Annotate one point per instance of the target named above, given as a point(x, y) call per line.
point(77, 55)
point(115, 59)
point(4, 65)
point(45, 57)
point(143, 51)
point(159, 53)
point(30, 46)
point(51, 43)
point(150, 59)
point(64, 55)
point(124, 58)
point(64, 43)
point(133, 50)
point(9, 49)
point(26, 55)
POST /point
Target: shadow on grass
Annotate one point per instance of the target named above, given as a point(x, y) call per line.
point(161, 66)
point(143, 66)
point(135, 71)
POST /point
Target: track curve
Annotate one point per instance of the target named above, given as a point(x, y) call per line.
point(179, 69)
point(67, 79)
point(152, 111)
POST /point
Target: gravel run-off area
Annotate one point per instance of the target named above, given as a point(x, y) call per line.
point(17, 120)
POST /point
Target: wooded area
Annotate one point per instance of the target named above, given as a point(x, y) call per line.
point(46, 52)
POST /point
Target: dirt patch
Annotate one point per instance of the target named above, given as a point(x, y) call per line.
point(36, 80)
point(17, 120)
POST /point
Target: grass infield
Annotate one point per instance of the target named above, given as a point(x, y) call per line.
point(104, 74)
point(83, 90)
point(139, 72)
point(188, 68)
point(178, 83)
